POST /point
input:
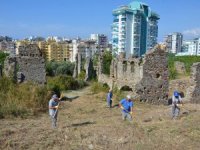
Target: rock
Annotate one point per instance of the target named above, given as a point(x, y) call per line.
point(91, 146)
point(180, 67)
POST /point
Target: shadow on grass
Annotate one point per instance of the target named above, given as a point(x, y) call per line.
point(83, 124)
point(70, 99)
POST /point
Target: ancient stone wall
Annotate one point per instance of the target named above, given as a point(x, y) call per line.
point(147, 77)
point(29, 65)
point(87, 67)
point(154, 86)
point(193, 92)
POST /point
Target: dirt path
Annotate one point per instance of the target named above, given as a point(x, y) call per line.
point(86, 123)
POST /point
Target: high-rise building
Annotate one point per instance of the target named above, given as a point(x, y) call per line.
point(134, 29)
point(174, 42)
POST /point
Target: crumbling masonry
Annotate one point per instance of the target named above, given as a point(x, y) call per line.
point(29, 65)
point(147, 77)
point(193, 92)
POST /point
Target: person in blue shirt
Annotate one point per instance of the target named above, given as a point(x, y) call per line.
point(176, 103)
point(109, 98)
point(126, 105)
point(53, 109)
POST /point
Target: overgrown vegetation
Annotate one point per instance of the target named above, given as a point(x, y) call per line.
point(20, 100)
point(187, 60)
point(2, 57)
point(97, 87)
point(59, 68)
point(107, 59)
point(63, 83)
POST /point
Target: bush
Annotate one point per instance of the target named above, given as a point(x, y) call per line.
point(97, 87)
point(59, 68)
point(63, 83)
point(2, 57)
point(21, 100)
point(187, 60)
point(107, 59)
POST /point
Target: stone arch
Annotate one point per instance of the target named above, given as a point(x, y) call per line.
point(126, 88)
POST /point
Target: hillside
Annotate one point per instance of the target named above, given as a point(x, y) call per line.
point(86, 123)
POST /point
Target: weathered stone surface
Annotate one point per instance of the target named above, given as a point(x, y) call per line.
point(147, 77)
point(154, 86)
point(193, 92)
point(75, 74)
point(30, 63)
point(180, 67)
point(10, 67)
point(1, 71)
point(90, 72)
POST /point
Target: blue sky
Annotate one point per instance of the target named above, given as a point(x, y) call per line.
point(72, 18)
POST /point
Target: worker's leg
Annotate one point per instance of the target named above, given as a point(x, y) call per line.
point(173, 111)
point(129, 117)
point(110, 103)
point(124, 115)
point(54, 120)
point(177, 111)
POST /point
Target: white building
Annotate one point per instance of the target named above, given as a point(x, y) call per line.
point(190, 47)
point(174, 42)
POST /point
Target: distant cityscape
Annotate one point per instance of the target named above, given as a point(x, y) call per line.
point(176, 44)
point(134, 32)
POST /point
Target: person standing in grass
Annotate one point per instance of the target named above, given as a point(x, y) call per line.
point(53, 109)
point(176, 103)
point(126, 105)
point(109, 98)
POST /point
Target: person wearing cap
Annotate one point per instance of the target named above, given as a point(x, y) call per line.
point(176, 103)
point(126, 105)
point(53, 109)
point(109, 98)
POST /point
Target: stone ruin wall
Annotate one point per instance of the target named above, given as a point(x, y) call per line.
point(29, 65)
point(154, 85)
point(88, 67)
point(193, 92)
point(147, 77)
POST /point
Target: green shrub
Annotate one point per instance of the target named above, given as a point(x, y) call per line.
point(107, 59)
point(2, 58)
point(82, 75)
point(97, 87)
point(187, 60)
point(59, 68)
point(21, 100)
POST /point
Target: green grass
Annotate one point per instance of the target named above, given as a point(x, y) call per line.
point(21, 100)
point(187, 60)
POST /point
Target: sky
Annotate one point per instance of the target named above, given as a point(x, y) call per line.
point(73, 18)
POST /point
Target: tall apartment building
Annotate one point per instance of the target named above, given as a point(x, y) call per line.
point(134, 29)
point(174, 42)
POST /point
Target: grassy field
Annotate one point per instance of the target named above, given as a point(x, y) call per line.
point(86, 124)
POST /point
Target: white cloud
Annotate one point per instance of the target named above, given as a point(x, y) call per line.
point(192, 32)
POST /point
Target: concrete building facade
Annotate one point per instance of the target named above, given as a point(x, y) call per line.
point(134, 29)
point(174, 42)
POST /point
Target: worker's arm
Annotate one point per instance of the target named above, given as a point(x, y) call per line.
point(120, 106)
point(131, 112)
point(53, 107)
